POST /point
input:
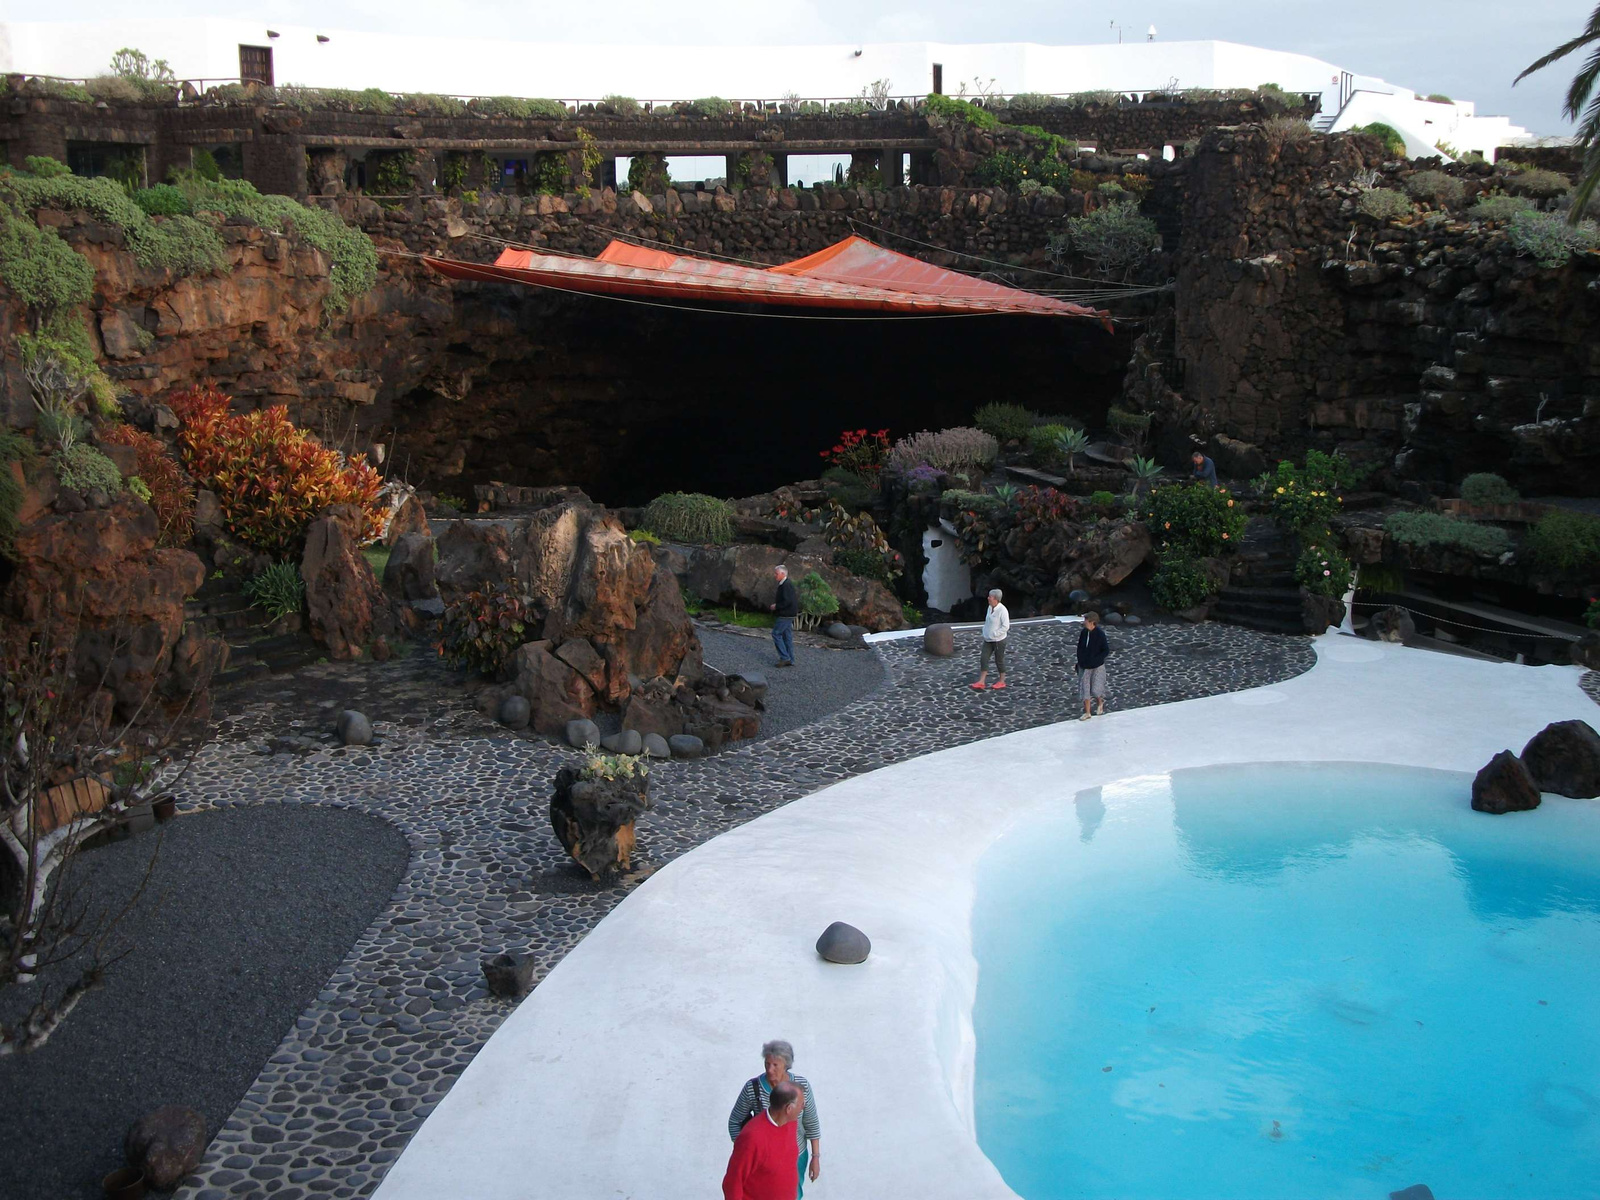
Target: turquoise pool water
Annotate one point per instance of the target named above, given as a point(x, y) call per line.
point(1293, 981)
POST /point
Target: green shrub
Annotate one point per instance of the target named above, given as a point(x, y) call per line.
point(1488, 488)
point(180, 244)
point(1103, 499)
point(391, 172)
point(353, 262)
point(623, 106)
point(1538, 183)
point(517, 106)
point(1437, 187)
point(1005, 422)
point(869, 564)
point(81, 467)
point(816, 599)
point(45, 167)
point(1548, 239)
point(1563, 540)
point(689, 517)
point(1499, 207)
point(163, 200)
point(1591, 615)
point(1179, 582)
point(1383, 204)
point(1114, 237)
point(1126, 424)
point(645, 536)
point(1393, 144)
point(1199, 519)
point(1032, 102)
point(279, 591)
point(713, 106)
point(1044, 441)
point(964, 111)
point(39, 268)
point(483, 629)
point(204, 165)
point(614, 766)
point(1452, 533)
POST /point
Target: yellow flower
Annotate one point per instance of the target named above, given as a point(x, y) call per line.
point(1280, 491)
point(1230, 503)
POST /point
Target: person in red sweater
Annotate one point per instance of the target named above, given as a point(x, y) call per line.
point(763, 1165)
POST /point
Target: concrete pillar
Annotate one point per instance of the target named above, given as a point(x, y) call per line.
point(893, 166)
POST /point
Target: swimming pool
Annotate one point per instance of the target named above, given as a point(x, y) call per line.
point(1306, 980)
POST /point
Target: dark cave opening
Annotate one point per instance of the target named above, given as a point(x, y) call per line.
point(628, 401)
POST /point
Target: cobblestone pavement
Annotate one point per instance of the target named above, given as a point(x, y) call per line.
point(1589, 681)
point(407, 1009)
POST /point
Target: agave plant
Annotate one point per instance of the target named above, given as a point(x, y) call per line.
point(1145, 471)
point(1071, 444)
point(1005, 492)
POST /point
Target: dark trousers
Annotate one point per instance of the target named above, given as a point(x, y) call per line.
point(995, 649)
point(783, 638)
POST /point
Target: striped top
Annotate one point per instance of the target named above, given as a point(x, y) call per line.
point(757, 1094)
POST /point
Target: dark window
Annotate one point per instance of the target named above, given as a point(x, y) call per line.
point(938, 79)
point(255, 64)
point(123, 163)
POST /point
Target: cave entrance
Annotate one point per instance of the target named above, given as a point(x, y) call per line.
point(628, 401)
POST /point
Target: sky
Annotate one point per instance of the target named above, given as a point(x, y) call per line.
point(1467, 49)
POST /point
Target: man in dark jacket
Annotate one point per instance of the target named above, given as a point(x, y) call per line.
point(1205, 471)
point(1093, 650)
point(787, 608)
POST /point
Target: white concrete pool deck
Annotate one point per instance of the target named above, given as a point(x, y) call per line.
point(614, 1079)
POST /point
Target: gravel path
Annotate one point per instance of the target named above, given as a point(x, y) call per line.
point(247, 913)
point(406, 1010)
point(823, 679)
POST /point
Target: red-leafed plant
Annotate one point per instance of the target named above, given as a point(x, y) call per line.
point(171, 494)
point(861, 452)
point(271, 478)
point(483, 629)
point(1037, 506)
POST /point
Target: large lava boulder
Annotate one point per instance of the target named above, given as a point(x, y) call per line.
point(344, 600)
point(586, 582)
point(1564, 758)
point(1504, 785)
point(1393, 624)
point(101, 568)
point(593, 819)
point(408, 575)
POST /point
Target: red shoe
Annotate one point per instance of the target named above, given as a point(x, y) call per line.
point(977, 687)
point(999, 685)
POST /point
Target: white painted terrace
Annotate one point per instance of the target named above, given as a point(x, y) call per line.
point(614, 1078)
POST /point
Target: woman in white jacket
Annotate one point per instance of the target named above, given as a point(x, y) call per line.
point(996, 624)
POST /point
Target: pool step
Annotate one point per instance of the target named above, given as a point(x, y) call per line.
point(1269, 609)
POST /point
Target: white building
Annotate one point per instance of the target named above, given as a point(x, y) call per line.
point(218, 49)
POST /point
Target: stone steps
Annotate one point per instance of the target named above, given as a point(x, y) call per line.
point(1269, 609)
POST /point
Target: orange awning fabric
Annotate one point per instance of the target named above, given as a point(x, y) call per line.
point(855, 274)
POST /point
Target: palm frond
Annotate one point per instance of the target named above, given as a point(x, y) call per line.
point(1582, 86)
point(1588, 134)
point(1590, 33)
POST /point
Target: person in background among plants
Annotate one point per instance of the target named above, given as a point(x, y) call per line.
point(786, 608)
point(1093, 650)
point(996, 624)
point(1205, 471)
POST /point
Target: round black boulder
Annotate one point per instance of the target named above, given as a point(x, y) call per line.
point(1504, 785)
point(841, 943)
point(1564, 758)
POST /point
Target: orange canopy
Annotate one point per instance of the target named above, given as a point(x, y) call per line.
point(855, 274)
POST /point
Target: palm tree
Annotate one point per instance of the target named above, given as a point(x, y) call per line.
point(1583, 106)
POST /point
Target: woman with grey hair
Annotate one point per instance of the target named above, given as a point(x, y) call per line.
point(776, 1059)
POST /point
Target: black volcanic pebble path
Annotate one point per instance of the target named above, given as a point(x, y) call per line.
point(406, 1011)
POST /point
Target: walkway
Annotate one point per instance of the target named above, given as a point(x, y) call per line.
point(407, 1011)
point(613, 1078)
